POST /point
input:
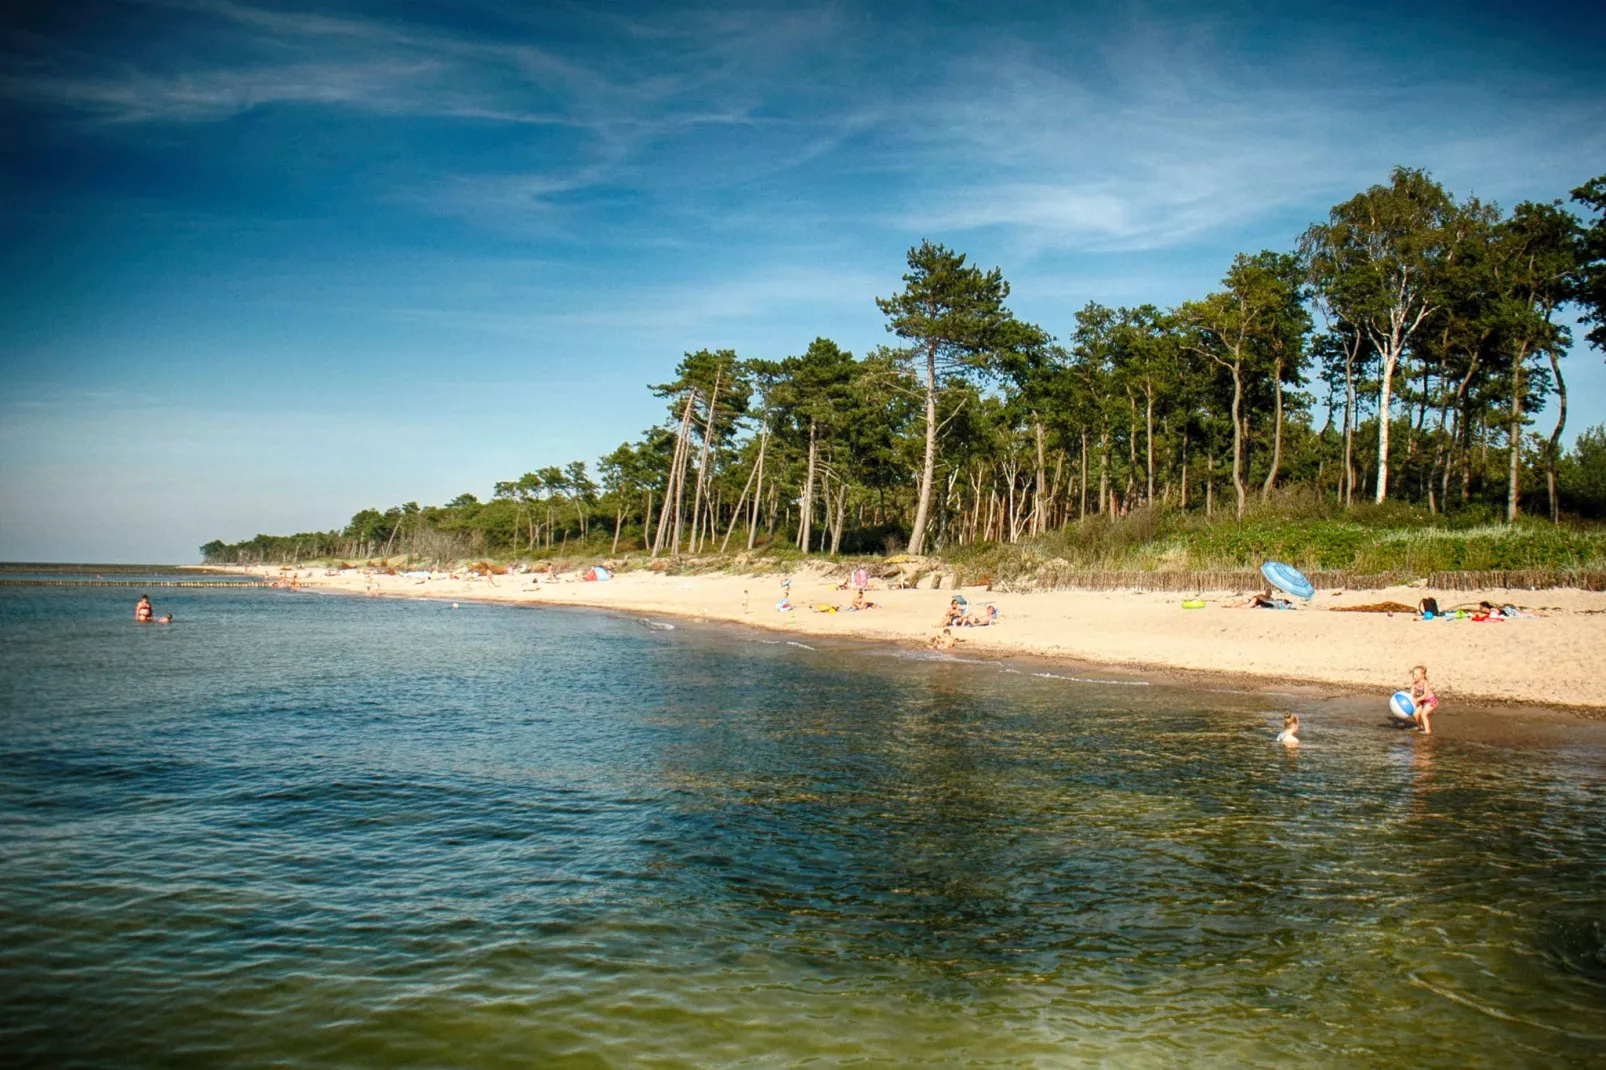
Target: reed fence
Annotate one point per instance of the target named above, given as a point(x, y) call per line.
point(1251, 580)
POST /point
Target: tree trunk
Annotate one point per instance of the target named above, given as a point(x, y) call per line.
point(671, 488)
point(841, 519)
point(1555, 436)
point(928, 469)
point(1081, 508)
point(806, 506)
point(702, 460)
point(1238, 436)
point(1040, 504)
point(1277, 431)
point(1349, 428)
point(1148, 437)
point(758, 491)
point(1385, 394)
point(1515, 434)
point(736, 513)
point(618, 523)
point(1104, 472)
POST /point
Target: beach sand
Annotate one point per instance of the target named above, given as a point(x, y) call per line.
point(1554, 660)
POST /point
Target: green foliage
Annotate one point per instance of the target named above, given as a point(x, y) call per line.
point(1582, 474)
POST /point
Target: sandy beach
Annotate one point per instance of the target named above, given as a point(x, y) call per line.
point(1552, 660)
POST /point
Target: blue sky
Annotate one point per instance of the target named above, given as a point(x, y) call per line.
point(267, 264)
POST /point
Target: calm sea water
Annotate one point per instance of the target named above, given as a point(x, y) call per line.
point(310, 830)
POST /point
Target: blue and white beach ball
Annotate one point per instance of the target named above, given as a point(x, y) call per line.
point(1401, 706)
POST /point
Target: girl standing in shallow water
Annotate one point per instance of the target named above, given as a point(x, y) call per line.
point(1426, 701)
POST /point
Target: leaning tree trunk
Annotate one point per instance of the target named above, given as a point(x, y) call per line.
point(928, 469)
point(841, 519)
point(670, 488)
point(758, 491)
point(702, 461)
point(1555, 436)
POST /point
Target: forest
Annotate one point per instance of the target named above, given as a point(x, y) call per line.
point(1387, 371)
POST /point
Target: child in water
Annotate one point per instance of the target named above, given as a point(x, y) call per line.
point(1289, 736)
point(1426, 701)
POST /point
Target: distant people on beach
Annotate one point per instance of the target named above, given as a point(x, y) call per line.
point(1425, 700)
point(1289, 736)
point(943, 640)
point(860, 603)
point(955, 614)
point(144, 614)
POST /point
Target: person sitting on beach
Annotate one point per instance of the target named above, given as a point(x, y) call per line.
point(1426, 701)
point(955, 614)
point(985, 619)
point(1262, 600)
point(944, 640)
point(143, 613)
point(1289, 736)
point(860, 603)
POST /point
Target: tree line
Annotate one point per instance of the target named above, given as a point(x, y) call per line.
point(1399, 351)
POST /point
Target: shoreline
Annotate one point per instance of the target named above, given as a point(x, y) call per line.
point(1548, 662)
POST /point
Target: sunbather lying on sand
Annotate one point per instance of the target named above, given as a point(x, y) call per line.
point(1263, 600)
point(985, 619)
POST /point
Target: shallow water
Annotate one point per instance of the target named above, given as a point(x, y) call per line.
point(311, 830)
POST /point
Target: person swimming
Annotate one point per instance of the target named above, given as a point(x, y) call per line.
point(1289, 736)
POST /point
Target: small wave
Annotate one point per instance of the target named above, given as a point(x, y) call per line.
point(1090, 680)
point(804, 646)
point(663, 626)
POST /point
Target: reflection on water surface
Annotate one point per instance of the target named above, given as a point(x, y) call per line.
point(304, 829)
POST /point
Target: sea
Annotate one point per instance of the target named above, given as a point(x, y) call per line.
point(302, 829)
